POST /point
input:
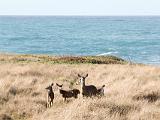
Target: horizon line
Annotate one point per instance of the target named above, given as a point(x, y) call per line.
point(79, 15)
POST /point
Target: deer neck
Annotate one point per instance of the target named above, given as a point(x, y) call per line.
point(51, 90)
point(82, 86)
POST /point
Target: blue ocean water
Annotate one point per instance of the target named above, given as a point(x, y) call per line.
point(134, 38)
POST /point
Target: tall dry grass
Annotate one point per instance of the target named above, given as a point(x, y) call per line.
point(132, 92)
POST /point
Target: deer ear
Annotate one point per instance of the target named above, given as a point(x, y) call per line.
point(86, 76)
point(59, 85)
point(46, 88)
point(79, 75)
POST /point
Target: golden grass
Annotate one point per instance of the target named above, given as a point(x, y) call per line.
point(132, 92)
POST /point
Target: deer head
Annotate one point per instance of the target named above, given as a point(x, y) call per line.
point(82, 78)
point(59, 86)
point(49, 88)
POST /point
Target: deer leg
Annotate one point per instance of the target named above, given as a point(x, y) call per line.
point(46, 105)
point(51, 102)
point(47, 101)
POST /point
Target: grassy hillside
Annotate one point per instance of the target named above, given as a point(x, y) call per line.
point(4, 58)
point(132, 92)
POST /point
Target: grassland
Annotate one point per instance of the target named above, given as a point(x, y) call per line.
point(132, 91)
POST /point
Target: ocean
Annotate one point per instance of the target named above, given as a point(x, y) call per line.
point(135, 38)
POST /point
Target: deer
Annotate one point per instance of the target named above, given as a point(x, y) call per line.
point(89, 90)
point(101, 91)
point(50, 96)
point(68, 93)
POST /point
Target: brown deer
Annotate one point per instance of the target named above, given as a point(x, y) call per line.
point(89, 90)
point(50, 95)
point(68, 93)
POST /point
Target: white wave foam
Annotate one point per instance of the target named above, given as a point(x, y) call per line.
point(108, 53)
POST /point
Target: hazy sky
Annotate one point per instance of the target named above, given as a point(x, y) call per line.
point(79, 7)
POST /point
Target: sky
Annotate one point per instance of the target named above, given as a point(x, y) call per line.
point(80, 7)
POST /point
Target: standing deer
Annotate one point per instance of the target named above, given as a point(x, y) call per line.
point(68, 93)
point(50, 96)
point(89, 90)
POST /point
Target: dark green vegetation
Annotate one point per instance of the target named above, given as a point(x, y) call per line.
point(61, 59)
